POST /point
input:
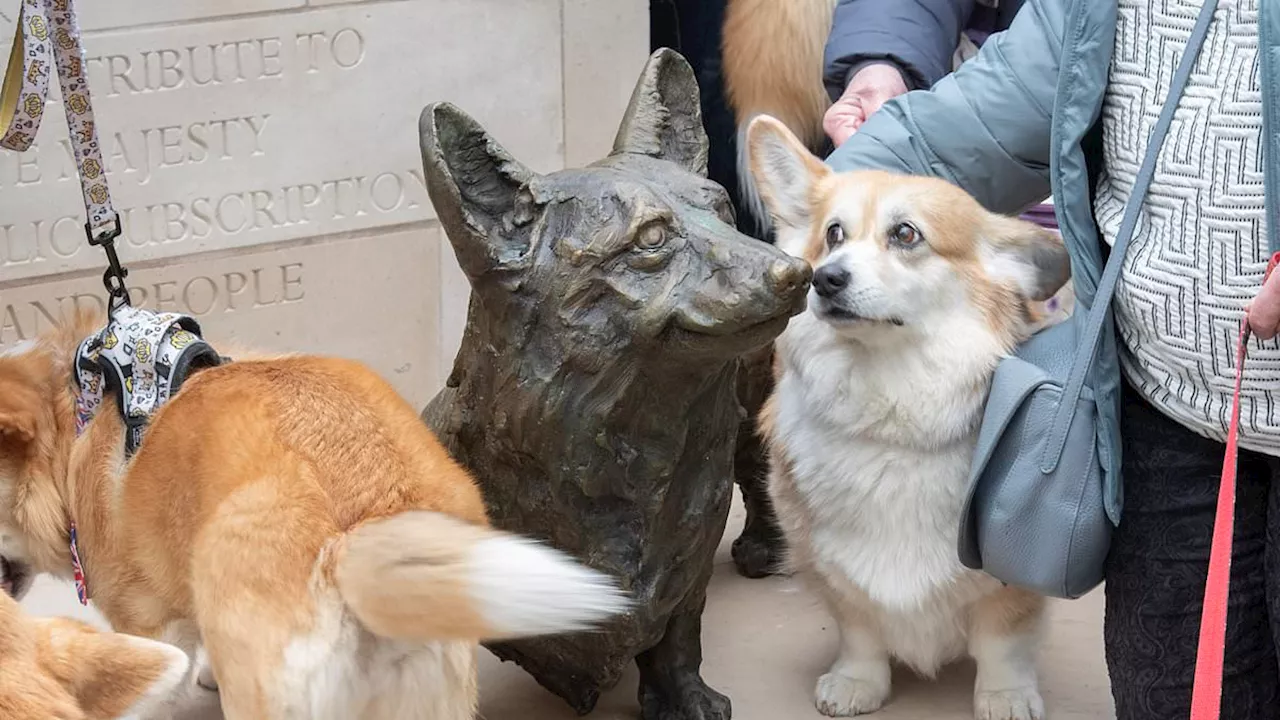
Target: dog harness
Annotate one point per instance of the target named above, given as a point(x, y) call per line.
point(143, 357)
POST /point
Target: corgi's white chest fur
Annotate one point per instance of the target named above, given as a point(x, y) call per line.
point(878, 445)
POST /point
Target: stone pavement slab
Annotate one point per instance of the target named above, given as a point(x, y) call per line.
point(765, 643)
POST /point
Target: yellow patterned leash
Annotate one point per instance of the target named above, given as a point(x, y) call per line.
point(47, 35)
point(26, 81)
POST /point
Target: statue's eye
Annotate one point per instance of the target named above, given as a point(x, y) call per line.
point(652, 236)
point(835, 235)
point(524, 210)
point(905, 235)
point(724, 208)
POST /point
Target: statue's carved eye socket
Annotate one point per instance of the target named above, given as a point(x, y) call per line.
point(723, 207)
point(522, 212)
point(652, 236)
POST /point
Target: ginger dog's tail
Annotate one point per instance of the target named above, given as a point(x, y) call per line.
point(428, 576)
point(773, 66)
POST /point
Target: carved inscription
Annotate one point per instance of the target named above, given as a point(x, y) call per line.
point(318, 206)
point(199, 296)
point(197, 183)
point(136, 153)
point(263, 155)
point(271, 128)
point(223, 63)
point(370, 297)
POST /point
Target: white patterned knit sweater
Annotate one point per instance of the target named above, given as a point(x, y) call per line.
point(1200, 249)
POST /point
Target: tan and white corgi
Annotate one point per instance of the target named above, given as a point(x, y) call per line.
point(293, 515)
point(61, 669)
point(918, 293)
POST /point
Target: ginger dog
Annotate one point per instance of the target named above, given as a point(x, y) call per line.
point(59, 669)
point(295, 516)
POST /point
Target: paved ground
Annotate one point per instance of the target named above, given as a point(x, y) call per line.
point(766, 642)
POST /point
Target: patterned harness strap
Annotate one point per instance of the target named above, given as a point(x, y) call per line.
point(143, 358)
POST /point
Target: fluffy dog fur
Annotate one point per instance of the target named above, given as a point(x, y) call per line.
point(880, 390)
point(294, 515)
point(773, 66)
point(59, 669)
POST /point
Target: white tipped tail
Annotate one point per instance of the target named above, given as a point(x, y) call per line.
point(429, 576)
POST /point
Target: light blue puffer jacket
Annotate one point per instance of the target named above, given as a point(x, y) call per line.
point(1017, 123)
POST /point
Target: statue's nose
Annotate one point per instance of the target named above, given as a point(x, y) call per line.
point(789, 275)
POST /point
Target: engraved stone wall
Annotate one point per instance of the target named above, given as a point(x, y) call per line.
point(263, 155)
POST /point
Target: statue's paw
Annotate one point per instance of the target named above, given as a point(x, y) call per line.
point(757, 554)
point(694, 702)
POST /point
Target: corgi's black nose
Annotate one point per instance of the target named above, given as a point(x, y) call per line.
point(829, 280)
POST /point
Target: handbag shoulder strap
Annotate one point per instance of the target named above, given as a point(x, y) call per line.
point(1087, 350)
point(1269, 62)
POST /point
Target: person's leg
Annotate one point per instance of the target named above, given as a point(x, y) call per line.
point(693, 28)
point(1273, 555)
point(1156, 572)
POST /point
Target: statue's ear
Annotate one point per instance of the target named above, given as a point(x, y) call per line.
point(476, 188)
point(664, 119)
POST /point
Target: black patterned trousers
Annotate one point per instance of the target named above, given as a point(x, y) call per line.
point(1156, 573)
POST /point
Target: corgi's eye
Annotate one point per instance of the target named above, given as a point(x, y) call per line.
point(905, 235)
point(835, 235)
point(652, 236)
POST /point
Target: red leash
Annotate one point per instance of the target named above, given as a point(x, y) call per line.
point(1206, 693)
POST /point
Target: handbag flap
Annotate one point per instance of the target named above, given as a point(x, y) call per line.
point(1014, 381)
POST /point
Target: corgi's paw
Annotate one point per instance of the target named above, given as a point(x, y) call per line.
point(1019, 704)
point(841, 696)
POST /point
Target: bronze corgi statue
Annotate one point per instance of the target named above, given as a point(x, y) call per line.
point(595, 394)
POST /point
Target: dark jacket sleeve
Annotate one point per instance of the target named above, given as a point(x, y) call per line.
point(919, 36)
point(985, 127)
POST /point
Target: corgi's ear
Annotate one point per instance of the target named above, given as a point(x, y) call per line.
point(785, 172)
point(477, 189)
point(111, 675)
point(664, 117)
point(1031, 257)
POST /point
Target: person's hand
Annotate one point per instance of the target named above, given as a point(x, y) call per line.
point(868, 90)
point(1264, 311)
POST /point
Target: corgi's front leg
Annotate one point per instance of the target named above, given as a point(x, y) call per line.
point(859, 680)
point(1003, 634)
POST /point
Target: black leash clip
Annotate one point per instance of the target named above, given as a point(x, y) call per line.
point(113, 279)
